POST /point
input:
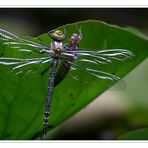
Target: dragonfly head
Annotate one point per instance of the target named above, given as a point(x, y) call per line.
point(56, 35)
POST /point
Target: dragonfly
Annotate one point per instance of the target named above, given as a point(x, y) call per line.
point(68, 56)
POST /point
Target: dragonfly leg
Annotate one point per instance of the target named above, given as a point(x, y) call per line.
point(80, 31)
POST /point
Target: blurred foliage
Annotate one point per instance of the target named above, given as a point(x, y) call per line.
point(139, 134)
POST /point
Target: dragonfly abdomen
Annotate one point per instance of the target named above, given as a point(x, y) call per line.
point(50, 92)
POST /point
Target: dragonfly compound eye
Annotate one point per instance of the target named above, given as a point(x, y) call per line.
point(59, 32)
point(57, 35)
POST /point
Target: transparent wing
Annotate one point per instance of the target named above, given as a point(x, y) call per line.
point(77, 72)
point(100, 56)
point(90, 62)
point(21, 45)
point(22, 55)
point(31, 65)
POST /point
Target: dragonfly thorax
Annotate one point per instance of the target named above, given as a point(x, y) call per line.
point(57, 49)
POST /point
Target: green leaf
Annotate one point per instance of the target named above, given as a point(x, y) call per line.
point(139, 134)
point(23, 96)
